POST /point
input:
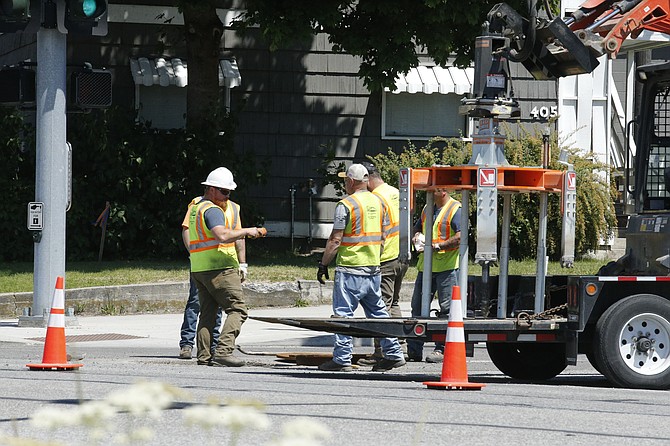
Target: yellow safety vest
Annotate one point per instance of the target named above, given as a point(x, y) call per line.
point(362, 237)
point(206, 253)
point(390, 196)
point(443, 260)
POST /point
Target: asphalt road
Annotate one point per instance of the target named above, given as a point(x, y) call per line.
point(359, 408)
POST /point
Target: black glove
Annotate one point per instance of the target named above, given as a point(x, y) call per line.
point(323, 271)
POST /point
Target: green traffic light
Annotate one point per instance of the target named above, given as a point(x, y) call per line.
point(89, 7)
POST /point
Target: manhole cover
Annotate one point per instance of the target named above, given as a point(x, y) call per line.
point(95, 337)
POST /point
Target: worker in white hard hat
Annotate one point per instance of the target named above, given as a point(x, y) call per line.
point(218, 266)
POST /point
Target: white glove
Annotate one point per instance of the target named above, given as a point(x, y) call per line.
point(419, 242)
point(242, 271)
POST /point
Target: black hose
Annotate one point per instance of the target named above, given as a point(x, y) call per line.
point(529, 40)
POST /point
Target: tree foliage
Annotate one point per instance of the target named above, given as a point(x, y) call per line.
point(387, 36)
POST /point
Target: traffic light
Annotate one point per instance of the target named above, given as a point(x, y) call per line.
point(91, 88)
point(83, 17)
point(19, 16)
point(17, 86)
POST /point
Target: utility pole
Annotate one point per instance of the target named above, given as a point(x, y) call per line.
point(51, 20)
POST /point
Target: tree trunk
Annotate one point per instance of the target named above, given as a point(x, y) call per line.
point(203, 37)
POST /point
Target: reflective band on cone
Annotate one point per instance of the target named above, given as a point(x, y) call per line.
point(55, 355)
point(454, 367)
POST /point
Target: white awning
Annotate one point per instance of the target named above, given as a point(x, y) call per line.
point(430, 80)
point(174, 71)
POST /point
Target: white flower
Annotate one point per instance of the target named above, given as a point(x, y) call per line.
point(144, 398)
point(51, 418)
point(95, 413)
point(242, 417)
point(306, 428)
point(235, 418)
point(203, 416)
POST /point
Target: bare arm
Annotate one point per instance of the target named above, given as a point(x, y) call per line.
point(241, 248)
point(450, 243)
point(332, 246)
point(185, 237)
point(224, 235)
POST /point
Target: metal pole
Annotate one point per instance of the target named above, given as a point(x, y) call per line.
point(541, 255)
point(426, 283)
point(464, 250)
point(292, 191)
point(504, 257)
point(51, 167)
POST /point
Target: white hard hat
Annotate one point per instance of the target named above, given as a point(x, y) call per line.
point(220, 177)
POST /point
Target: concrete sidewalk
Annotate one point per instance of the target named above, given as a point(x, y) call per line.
point(161, 330)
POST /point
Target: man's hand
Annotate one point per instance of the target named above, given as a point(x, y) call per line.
point(321, 273)
point(257, 232)
point(242, 271)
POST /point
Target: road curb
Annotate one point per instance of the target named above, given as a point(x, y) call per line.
point(170, 297)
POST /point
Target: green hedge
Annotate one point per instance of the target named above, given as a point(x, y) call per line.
point(147, 176)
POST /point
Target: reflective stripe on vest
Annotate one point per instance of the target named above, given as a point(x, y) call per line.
point(362, 237)
point(206, 253)
point(443, 260)
point(232, 219)
point(391, 199)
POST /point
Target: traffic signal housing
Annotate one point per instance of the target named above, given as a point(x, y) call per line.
point(17, 86)
point(20, 16)
point(91, 88)
point(82, 17)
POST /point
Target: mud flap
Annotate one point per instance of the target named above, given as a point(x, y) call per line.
point(571, 347)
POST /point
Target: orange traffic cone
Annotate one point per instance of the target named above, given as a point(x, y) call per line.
point(55, 356)
point(454, 368)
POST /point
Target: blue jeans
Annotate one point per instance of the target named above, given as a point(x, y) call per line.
point(441, 282)
point(191, 312)
point(348, 291)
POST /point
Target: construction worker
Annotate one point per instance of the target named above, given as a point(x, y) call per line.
point(192, 308)
point(445, 241)
point(392, 269)
point(357, 240)
point(218, 266)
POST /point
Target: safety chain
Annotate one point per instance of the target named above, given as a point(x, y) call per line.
point(526, 319)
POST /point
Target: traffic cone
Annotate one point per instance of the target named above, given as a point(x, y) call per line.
point(454, 367)
point(55, 356)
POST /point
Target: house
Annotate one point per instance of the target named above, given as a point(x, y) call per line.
point(296, 105)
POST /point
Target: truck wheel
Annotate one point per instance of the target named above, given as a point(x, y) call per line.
point(528, 361)
point(592, 360)
point(632, 342)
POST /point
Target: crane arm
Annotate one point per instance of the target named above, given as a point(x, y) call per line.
point(551, 48)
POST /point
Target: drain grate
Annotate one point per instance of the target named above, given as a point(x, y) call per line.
point(94, 337)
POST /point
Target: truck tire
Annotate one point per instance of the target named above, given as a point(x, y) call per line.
point(632, 342)
point(528, 361)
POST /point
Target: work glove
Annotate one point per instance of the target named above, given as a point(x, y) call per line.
point(323, 271)
point(242, 271)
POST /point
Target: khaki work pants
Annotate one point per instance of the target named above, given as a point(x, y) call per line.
point(220, 288)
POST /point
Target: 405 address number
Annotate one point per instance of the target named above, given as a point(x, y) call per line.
point(544, 112)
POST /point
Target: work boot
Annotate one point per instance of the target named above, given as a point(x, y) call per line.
point(186, 352)
point(369, 360)
point(226, 361)
point(435, 357)
point(387, 364)
point(332, 366)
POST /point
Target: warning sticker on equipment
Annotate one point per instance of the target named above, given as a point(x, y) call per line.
point(487, 177)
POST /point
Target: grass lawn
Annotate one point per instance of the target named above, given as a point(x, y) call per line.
point(263, 267)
